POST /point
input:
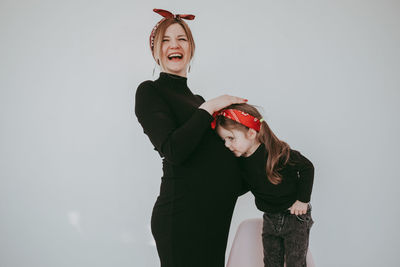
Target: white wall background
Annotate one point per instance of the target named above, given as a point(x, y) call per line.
point(78, 178)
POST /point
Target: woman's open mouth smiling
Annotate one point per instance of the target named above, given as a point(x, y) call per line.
point(175, 56)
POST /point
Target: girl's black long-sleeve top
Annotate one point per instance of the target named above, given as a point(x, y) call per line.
point(297, 180)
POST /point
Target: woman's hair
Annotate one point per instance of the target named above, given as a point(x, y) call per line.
point(278, 151)
point(160, 32)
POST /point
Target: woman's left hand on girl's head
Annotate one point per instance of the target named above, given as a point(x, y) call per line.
point(221, 102)
point(298, 208)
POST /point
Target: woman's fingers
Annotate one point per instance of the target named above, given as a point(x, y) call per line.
point(226, 100)
point(221, 102)
point(237, 100)
point(240, 101)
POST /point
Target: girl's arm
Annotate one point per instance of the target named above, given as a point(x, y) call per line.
point(305, 173)
point(306, 178)
point(173, 142)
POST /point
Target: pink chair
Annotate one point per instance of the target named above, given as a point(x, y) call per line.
point(247, 249)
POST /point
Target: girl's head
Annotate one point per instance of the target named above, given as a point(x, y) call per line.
point(239, 125)
point(172, 45)
point(244, 140)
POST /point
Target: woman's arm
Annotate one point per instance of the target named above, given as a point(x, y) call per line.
point(174, 142)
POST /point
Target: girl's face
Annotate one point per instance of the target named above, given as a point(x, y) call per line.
point(241, 143)
point(175, 51)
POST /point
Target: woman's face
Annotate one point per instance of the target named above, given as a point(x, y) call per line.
point(175, 51)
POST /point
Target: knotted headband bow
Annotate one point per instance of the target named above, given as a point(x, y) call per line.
point(167, 15)
point(239, 116)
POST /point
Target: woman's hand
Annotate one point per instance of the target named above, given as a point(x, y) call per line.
point(220, 102)
point(298, 208)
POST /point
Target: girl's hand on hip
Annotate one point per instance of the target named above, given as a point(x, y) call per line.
point(298, 208)
point(221, 102)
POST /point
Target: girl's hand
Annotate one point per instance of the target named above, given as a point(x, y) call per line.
point(298, 208)
point(220, 102)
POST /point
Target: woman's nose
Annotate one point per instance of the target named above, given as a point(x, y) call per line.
point(174, 43)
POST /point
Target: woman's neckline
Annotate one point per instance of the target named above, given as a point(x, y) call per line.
point(172, 76)
point(173, 79)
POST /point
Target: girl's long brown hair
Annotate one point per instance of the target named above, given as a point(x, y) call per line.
point(278, 151)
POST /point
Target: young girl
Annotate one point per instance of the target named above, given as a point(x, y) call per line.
point(280, 178)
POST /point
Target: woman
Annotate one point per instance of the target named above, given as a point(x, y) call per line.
point(200, 183)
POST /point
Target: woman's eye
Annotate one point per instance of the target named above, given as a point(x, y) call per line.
point(182, 39)
point(165, 40)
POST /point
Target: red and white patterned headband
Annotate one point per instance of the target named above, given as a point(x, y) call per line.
point(167, 15)
point(239, 116)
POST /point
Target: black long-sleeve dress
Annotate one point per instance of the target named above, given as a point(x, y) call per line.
point(201, 178)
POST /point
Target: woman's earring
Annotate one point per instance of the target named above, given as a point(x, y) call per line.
point(155, 64)
point(189, 68)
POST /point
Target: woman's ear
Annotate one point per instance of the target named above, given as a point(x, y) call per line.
point(251, 134)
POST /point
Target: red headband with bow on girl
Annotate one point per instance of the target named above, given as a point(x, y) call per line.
point(239, 116)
